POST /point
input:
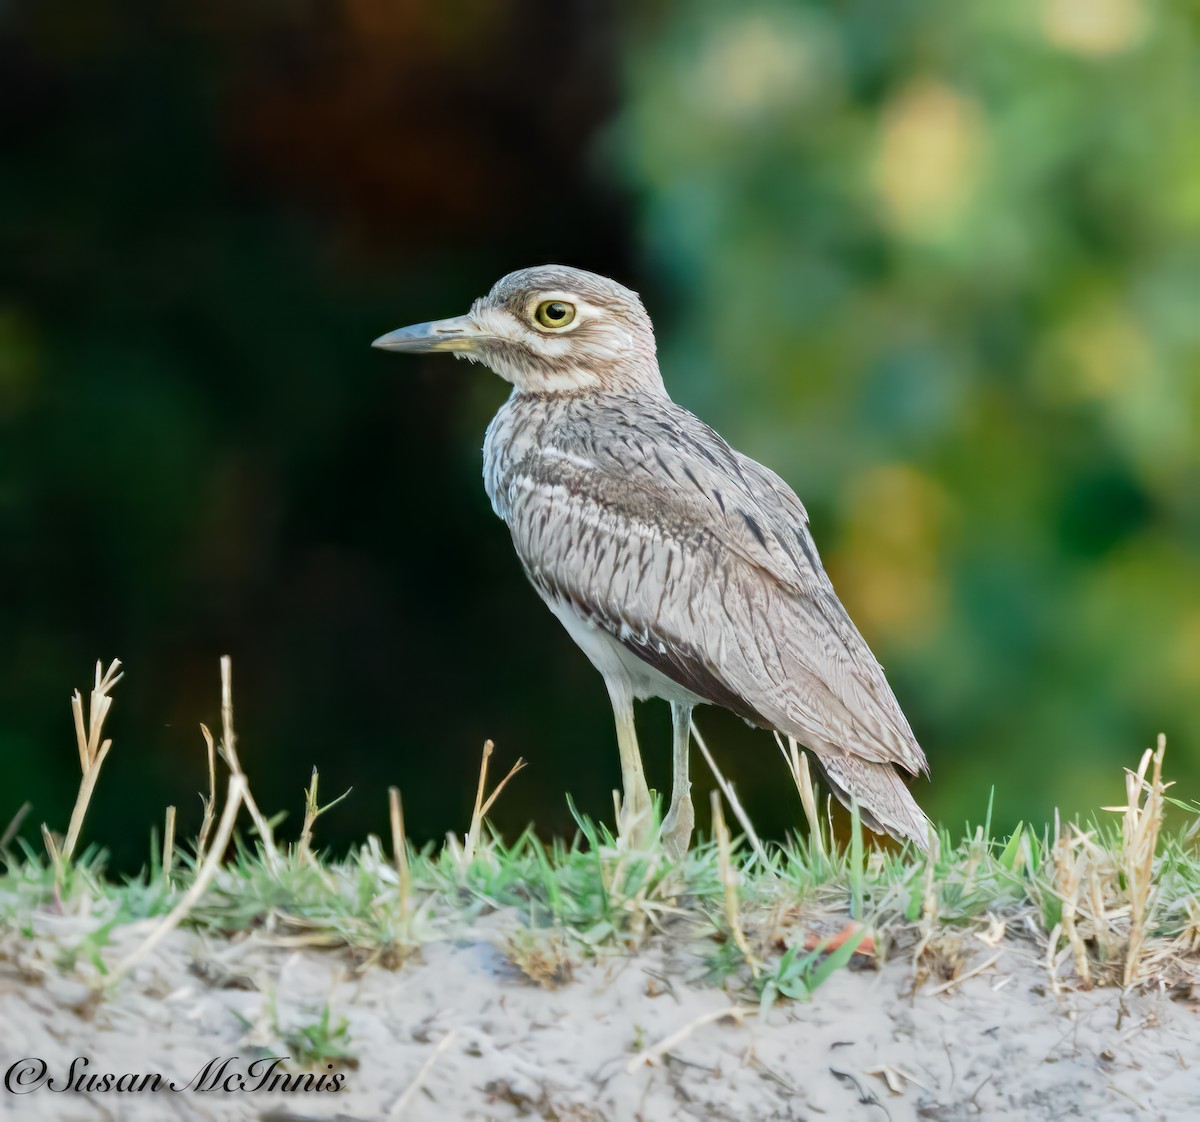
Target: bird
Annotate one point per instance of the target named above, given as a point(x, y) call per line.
point(683, 569)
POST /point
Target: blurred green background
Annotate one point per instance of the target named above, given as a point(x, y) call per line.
point(936, 263)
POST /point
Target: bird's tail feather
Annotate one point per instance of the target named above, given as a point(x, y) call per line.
point(884, 802)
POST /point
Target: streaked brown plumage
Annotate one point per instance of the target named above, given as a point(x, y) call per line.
point(684, 569)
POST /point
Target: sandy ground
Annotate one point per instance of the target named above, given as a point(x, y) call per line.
point(459, 1033)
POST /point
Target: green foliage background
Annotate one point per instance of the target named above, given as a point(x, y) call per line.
point(936, 263)
point(940, 264)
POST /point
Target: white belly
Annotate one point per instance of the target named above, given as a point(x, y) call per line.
point(616, 661)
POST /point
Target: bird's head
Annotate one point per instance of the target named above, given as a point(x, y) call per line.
point(550, 329)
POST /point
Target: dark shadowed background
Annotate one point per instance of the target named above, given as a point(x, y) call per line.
point(937, 264)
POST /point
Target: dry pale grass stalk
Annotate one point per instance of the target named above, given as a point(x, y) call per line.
point(1068, 884)
point(1087, 884)
point(1108, 895)
point(729, 881)
point(92, 750)
point(10, 831)
point(312, 811)
point(400, 848)
point(655, 1053)
point(929, 894)
point(204, 875)
point(1188, 941)
point(896, 1078)
point(55, 861)
point(410, 1092)
point(482, 805)
point(473, 831)
point(209, 804)
point(168, 850)
point(953, 983)
point(1052, 959)
point(1140, 827)
point(727, 790)
point(228, 750)
point(797, 762)
point(928, 923)
point(51, 848)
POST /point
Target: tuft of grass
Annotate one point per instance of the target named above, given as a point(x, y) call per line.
point(1110, 902)
point(798, 977)
point(542, 956)
point(320, 1042)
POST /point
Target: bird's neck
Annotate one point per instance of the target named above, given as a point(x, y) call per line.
point(627, 370)
point(640, 379)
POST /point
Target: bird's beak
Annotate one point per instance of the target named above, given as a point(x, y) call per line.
point(458, 334)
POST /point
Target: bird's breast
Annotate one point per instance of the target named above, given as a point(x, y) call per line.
point(534, 441)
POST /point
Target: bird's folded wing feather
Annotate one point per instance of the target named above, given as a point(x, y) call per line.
point(700, 561)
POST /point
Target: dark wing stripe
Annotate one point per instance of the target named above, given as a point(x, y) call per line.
point(678, 662)
point(754, 528)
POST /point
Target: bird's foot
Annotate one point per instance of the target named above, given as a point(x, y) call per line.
point(677, 827)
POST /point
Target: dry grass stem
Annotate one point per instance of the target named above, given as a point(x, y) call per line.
point(927, 924)
point(1068, 883)
point(729, 881)
point(655, 1053)
point(896, 1077)
point(1052, 959)
point(410, 1092)
point(55, 860)
point(738, 812)
point(14, 824)
point(92, 750)
point(473, 830)
point(518, 766)
point(619, 816)
point(400, 848)
point(209, 804)
point(958, 981)
point(1140, 828)
point(228, 750)
point(168, 850)
point(204, 875)
point(797, 762)
point(51, 848)
point(312, 811)
point(482, 805)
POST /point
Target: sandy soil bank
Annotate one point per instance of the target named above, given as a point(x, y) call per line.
point(459, 1032)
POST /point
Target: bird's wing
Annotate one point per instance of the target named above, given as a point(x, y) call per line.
point(700, 561)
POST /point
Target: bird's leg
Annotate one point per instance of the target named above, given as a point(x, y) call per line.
point(677, 826)
point(635, 807)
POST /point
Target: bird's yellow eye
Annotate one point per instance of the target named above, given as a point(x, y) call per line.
point(554, 313)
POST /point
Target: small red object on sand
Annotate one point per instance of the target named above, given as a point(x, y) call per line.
point(832, 942)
